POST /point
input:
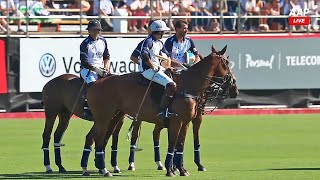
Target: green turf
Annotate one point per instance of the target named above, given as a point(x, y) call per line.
point(232, 147)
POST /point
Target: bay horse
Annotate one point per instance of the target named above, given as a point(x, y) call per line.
point(212, 93)
point(108, 97)
point(61, 97)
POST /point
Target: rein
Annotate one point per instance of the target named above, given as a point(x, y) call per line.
point(216, 89)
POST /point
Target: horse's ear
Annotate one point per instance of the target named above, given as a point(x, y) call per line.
point(213, 49)
point(223, 50)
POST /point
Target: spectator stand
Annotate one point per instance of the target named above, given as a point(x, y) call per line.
point(222, 17)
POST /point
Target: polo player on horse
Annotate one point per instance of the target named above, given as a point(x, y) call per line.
point(94, 57)
point(153, 69)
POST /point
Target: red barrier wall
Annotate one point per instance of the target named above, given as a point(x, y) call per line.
point(3, 72)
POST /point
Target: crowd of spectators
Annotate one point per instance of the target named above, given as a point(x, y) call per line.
point(203, 9)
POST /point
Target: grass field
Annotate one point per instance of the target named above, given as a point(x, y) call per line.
point(232, 147)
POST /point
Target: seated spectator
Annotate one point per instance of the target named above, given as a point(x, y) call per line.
point(185, 8)
point(220, 7)
point(106, 9)
point(263, 10)
point(11, 8)
point(251, 9)
point(103, 8)
point(38, 8)
point(314, 7)
point(274, 10)
point(198, 23)
point(77, 5)
point(4, 25)
point(285, 10)
point(232, 11)
point(161, 7)
point(136, 8)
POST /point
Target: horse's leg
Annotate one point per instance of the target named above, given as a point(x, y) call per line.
point(196, 123)
point(134, 137)
point(64, 118)
point(173, 132)
point(156, 146)
point(46, 136)
point(179, 149)
point(114, 147)
point(86, 152)
point(104, 125)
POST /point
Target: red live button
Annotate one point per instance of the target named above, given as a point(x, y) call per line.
point(299, 20)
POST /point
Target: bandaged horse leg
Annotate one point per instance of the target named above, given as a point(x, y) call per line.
point(46, 140)
point(46, 158)
point(86, 152)
point(179, 149)
point(99, 138)
point(62, 126)
point(165, 102)
point(114, 148)
point(173, 133)
point(134, 137)
point(156, 146)
point(103, 130)
point(196, 123)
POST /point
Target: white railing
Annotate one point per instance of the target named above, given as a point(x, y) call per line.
point(82, 18)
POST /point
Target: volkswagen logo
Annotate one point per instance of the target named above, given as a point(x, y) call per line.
point(47, 65)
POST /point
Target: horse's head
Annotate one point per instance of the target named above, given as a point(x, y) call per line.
point(212, 71)
point(223, 83)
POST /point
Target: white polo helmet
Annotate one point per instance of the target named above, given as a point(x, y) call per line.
point(159, 25)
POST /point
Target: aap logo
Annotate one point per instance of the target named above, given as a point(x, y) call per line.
point(47, 65)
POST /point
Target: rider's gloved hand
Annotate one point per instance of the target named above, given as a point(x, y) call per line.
point(186, 65)
point(100, 71)
point(156, 68)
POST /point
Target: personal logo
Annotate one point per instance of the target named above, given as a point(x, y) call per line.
point(47, 65)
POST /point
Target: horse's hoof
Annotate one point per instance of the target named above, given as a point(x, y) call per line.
point(108, 174)
point(49, 171)
point(117, 171)
point(130, 168)
point(86, 173)
point(161, 168)
point(201, 168)
point(62, 170)
point(174, 170)
point(170, 174)
point(100, 171)
point(186, 173)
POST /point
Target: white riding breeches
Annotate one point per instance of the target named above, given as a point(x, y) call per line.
point(160, 77)
point(88, 77)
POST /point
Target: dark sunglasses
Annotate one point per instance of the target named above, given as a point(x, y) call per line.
point(158, 32)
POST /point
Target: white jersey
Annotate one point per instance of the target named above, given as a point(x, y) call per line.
point(177, 50)
point(152, 47)
point(94, 51)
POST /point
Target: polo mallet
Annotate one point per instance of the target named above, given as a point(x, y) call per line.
point(137, 114)
point(75, 103)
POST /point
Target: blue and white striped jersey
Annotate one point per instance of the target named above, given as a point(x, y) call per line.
point(137, 51)
point(177, 50)
point(153, 47)
point(94, 51)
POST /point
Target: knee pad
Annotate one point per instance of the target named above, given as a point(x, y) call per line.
point(171, 88)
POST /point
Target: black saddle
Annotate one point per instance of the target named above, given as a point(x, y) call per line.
point(155, 88)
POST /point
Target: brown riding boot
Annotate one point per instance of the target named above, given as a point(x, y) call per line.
point(165, 102)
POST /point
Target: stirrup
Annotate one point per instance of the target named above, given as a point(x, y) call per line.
point(166, 114)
